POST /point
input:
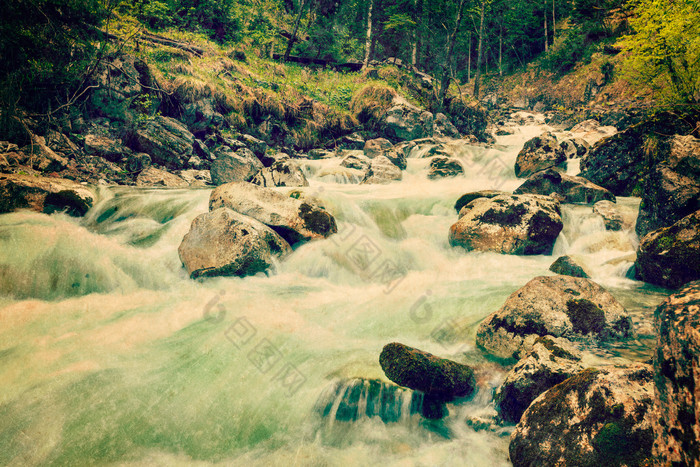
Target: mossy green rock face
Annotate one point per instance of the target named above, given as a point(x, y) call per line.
point(670, 257)
point(435, 376)
point(599, 417)
point(676, 378)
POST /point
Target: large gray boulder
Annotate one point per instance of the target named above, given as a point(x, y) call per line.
point(573, 148)
point(422, 371)
point(672, 190)
point(612, 216)
point(560, 306)
point(281, 173)
point(166, 140)
point(294, 220)
point(572, 189)
point(381, 171)
point(600, 417)
point(405, 122)
point(225, 243)
point(551, 361)
point(676, 378)
point(442, 126)
point(539, 153)
point(44, 194)
point(239, 166)
point(670, 257)
point(355, 160)
point(509, 224)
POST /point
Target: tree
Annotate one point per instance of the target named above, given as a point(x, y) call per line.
point(480, 53)
point(664, 51)
point(293, 37)
point(445, 81)
point(368, 39)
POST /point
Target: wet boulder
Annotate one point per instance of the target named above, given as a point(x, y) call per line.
point(560, 306)
point(539, 153)
point(443, 167)
point(166, 140)
point(670, 257)
point(573, 148)
point(442, 126)
point(397, 156)
point(672, 189)
point(422, 371)
point(571, 189)
point(471, 196)
point(225, 243)
point(569, 266)
point(404, 122)
point(152, 177)
point(599, 417)
point(551, 361)
point(381, 171)
point(612, 217)
point(355, 160)
point(294, 220)
point(44, 194)
point(676, 378)
point(316, 154)
point(239, 166)
point(376, 147)
point(281, 173)
point(508, 224)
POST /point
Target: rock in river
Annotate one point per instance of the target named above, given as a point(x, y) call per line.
point(44, 194)
point(572, 189)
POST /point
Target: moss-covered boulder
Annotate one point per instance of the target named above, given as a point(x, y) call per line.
point(508, 224)
point(422, 371)
point(442, 167)
point(551, 361)
point(560, 306)
point(670, 257)
point(571, 189)
point(539, 153)
point(599, 417)
point(284, 172)
point(569, 266)
point(676, 378)
point(472, 195)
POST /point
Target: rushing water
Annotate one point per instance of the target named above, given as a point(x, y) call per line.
point(110, 354)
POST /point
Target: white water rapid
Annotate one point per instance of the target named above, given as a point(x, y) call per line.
point(111, 355)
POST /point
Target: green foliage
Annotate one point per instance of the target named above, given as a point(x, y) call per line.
point(664, 51)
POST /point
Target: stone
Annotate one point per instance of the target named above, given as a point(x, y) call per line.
point(225, 243)
point(471, 196)
point(153, 177)
point(200, 116)
point(376, 147)
point(611, 215)
point(569, 266)
point(508, 224)
point(381, 171)
point(551, 361)
point(239, 166)
point(599, 417)
point(166, 140)
point(670, 257)
point(442, 126)
point(442, 167)
point(572, 189)
point(105, 147)
point(672, 189)
point(353, 141)
point(294, 220)
point(196, 178)
point(41, 157)
point(397, 156)
point(573, 148)
point(356, 160)
point(537, 154)
point(405, 122)
point(560, 306)
point(676, 378)
point(315, 154)
point(282, 173)
point(44, 194)
point(422, 371)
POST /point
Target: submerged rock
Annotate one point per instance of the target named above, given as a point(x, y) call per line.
point(44, 194)
point(676, 378)
point(569, 266)
point(239, 166)
point(672, 190)
point(572, 189)
point(294, 220)
point(281, 173)
point(415, 369)
point(356, 161)
point(225, 243)
point(539, 153)
point(441, 167)
point(560, 306)
point(551, 361)
point(381, 171)
point(670, 257)
point(509, 224)
point(600, 417)
point(610, 213)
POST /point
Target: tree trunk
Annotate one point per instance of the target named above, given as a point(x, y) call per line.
point(418, 6)
point(500, 51)
point(368, 40)
point(554, 21)
point(293, 38)
point(445, 82)
point(546, 42)
point(469, 60)
point(479, 54)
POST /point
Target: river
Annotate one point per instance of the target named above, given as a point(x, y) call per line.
point(111, 355)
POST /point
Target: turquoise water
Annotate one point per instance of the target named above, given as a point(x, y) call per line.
point(111, 355)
